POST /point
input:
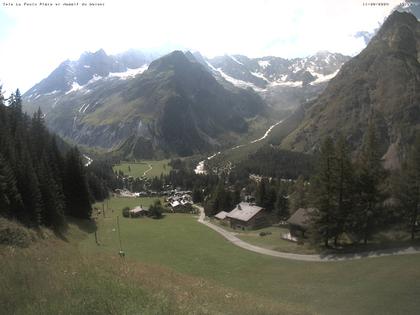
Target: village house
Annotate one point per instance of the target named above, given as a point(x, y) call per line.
point(138, 212)
point(299, 223)
point(247, 216)
point(222, 217)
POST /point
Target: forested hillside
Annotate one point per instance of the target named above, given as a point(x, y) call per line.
point(39, 184)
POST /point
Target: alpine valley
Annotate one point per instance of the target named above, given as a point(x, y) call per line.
point(180, 104)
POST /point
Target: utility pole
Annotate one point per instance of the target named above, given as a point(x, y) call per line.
point(96, 238)
point(121, 253)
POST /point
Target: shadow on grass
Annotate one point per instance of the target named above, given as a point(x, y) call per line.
point(373, 250)
point(85, 225)
point(61, 233)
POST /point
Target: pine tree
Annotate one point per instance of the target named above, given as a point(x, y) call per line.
point(266, 195)
point(4, 200)
point(408, 192)
point(282, 204)
point(197, 195)
point(324, 191)
point(76, 187)
point(298, 195)
point(11, 199)
point(369, 179)
point(261, 193)
point(345, 188)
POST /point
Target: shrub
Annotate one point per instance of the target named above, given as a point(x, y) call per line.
point(126, 212)
point(156, 210)
point(15, 234)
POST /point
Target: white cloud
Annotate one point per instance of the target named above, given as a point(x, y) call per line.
point(40, 38)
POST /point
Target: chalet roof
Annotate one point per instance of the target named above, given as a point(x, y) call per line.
point(174, 204)
point(244, 212)
point(138, 209)
point(221, 215)
point(301, 217)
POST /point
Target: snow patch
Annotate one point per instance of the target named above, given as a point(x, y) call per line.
point(53, 92)
point(287, 83)
point(130, 73)
point(84, 110)
point(94, 79)
point(259, 75)
point(74, 87)
point(200, 168)
point(324, 78)
point(88, 160)
point(237, 82)
point(264, 63)
point(86, 66)
point(211, 66)
point(236, 60)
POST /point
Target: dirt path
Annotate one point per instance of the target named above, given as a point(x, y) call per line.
point(316, 258)
point(147, 171)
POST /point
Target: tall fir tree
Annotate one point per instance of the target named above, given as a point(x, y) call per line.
point(323, 192)
point(282, 204)
point(298, 195)
point(370, 197)
point(408, 189)
point(345, 188)
point(75, 186)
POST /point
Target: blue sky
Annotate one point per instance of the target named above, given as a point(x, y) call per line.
point(35, 40)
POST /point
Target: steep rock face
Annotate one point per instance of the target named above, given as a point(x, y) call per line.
point(381, 83)
point(175, 107)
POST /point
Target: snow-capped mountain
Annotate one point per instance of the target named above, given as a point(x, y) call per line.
point(171, 106)
point(281, 82)
point(263, 73)
point(71, 76)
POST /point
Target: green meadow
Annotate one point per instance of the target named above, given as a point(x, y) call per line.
point(177, 266)
point(149, 169)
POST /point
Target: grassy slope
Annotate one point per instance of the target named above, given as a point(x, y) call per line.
point(54, 277)
point(138, 168)
point(386, 285)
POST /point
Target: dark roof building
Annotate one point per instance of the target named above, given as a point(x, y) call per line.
point(247, 216)
point(300, 220)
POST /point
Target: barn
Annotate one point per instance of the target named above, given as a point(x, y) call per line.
point(300, 221)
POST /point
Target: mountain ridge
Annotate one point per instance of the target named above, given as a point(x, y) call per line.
point(379, 84)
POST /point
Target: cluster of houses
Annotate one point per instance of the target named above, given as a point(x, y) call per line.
point(180, 201)
point(125, 193)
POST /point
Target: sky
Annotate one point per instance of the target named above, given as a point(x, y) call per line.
point(34, 40)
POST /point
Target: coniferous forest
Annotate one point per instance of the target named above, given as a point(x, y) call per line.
point(40, 184)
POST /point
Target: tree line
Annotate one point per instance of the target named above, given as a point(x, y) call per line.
point(358, 197)
point(39, 183)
